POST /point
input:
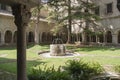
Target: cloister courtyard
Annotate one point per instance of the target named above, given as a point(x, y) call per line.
point(107, 56)
point(59, 40)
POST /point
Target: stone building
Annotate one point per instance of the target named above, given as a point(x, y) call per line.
point(106, 9)
point(110, 20)
point(108, 32)
point(8, 30)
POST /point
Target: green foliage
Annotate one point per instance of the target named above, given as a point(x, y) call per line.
point(64, 12)
point(48, 74)
point(81, 70)
point(73, 70)
point(117, 68)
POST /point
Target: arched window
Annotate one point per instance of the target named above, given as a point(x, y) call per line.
point(0, 37)
point(15, 37)
point(80, 37)
point(109, 37)
point(118, 36)
point(43, 37)
point(31, 37)
point(88, 38)
point(8, 36)
point(93, 38)
point(101, 38)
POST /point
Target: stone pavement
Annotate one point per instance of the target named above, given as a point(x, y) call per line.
point(7, 76)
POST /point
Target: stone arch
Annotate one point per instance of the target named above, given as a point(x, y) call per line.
point(80, 37)
point(118, 36)
point(0, 36)
point(8, 36)
point(43, 37)
point(47, 37)
point(93, 38)
point(50, 37)
point(40, 35)
point(15, 37)
point(109, 37)
point(88, 38)
point(30, 37)
point(101, 38)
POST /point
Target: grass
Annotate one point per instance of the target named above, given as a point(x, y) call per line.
point(103, 55)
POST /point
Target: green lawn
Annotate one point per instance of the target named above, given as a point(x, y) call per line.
point(103, 55)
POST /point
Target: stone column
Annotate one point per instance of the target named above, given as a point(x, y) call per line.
point(104, 36)
point(83, 38)
point(22, 16)
point(36, 34)
point(40, 38)
point(12, 40)
point(2, 38)
point(97, 39)
point(114, 39)
point(90, 38)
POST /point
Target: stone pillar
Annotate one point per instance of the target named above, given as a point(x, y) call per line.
point(22, 16)
point(90, 38)
point(114, 39)
point(83, 38)
point(36, 34)
point(40, 38)
point(2, 38)
point(104, 36)
point(97, 39)
point(12, 40)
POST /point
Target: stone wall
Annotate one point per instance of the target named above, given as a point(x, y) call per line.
point(7, 25)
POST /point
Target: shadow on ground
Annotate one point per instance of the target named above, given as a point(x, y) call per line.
point(92, 48)
point(9, 65)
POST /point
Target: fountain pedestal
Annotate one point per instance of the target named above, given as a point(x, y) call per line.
point(57, 48)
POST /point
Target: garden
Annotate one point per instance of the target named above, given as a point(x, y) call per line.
point(92, 60)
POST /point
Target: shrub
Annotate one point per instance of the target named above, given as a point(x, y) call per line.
point(117, 68)
point(80, 70)
point(48, 74)
point(73, 70)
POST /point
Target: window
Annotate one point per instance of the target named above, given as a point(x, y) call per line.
point(3, 7)
point(109, 8)
point(118, 4)
point(97, 10)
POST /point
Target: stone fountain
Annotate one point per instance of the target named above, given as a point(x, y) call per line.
point(57, 48)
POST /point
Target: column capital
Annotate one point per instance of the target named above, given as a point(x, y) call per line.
point(22, 14)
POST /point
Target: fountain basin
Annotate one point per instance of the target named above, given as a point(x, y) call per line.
point(57, 50)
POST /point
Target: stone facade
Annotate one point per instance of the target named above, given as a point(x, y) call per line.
point(110, 19)
point(108, 26)
point(110, 23)
point(8, 30)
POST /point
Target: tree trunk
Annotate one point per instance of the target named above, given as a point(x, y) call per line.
point(69, 22)
point(85, 38)
point(85, 34)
